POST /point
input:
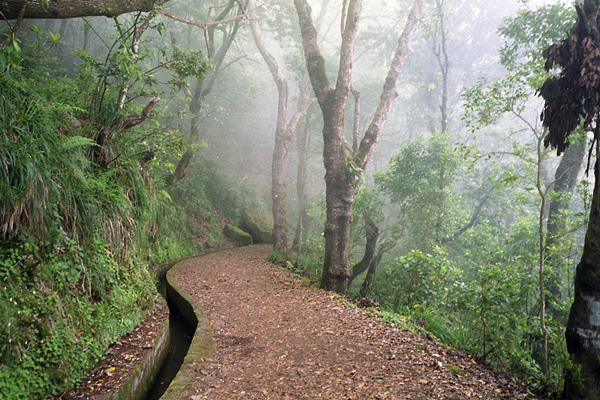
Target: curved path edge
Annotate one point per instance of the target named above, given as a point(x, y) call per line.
point(142, 378)
point(203, 343)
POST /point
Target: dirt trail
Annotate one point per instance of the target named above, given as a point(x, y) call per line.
point(279, 339)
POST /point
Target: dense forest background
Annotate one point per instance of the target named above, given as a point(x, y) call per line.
point(133, 140)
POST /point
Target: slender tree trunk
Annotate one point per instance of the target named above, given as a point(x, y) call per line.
point(284, 134)
point(441, 54)
point(283, 138)
point(302, 143)
point(564, 184)
point(542, 191)
point(372, 234)
point(205, 84)
point(365, 288)
point(583, 327)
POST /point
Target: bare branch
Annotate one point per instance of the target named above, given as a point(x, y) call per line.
point(389, 89)
point(130, 123)
point(202, 25)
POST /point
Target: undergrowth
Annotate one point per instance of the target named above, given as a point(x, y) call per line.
point(60, 307)
point(77, 238)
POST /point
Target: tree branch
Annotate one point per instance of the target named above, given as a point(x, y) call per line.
point(388, 95)
point(130, 123)
point(315, 62)
point(202, 25)
point(58, 9)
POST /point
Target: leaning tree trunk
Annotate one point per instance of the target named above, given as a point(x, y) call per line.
point(372, 235)
point(583, 328)
point(365, 289)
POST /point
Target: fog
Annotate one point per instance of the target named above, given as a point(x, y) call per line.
point(192, 115)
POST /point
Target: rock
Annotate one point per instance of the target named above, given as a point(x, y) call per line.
point(237, 235)
point(259, 224)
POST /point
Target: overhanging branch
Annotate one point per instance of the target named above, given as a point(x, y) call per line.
point(59, 9)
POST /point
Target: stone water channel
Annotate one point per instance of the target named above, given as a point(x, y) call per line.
point(181, 333)
point(151, 379)
point(183, 343)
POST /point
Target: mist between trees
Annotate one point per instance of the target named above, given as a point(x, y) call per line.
point(398, 146)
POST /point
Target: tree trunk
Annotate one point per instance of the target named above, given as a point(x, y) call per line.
point(283, 139)
point(583, 328)
point(365, 289)
point(205, 84)
point(302, 143)
point(342, 170)
point(441, 55)
point(372, 234)
point(284, 134)
point(564, 183)
point(340, 187)
point(9, 9)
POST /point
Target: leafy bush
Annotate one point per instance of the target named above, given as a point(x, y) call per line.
point(415, 278)
point(60, 312)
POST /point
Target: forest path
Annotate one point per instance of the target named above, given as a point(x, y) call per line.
point(279, 339)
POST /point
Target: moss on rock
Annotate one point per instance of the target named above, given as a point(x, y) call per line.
point(238, 236)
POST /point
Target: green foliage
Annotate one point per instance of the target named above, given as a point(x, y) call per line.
point(185, 64)
point(10, 56)
point(489, 308)
point(75, 237)
point(60, 307)
point(527, 35)
point(414, 279)
point(418, 181)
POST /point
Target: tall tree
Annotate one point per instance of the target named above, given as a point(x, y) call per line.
point(565, 180)
point(573, 97)
point(303, 138)
point(217, 47)
point(344, 167)
point(440, 51)
point(284, 134)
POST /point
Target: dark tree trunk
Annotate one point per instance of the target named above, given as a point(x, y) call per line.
point(9, 9)
point(372, 234)
point(365, 289)
point(583, 328)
